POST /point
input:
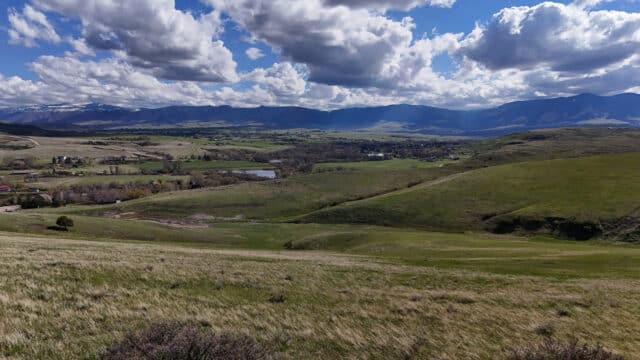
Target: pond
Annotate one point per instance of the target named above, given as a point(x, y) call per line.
point(267, 174)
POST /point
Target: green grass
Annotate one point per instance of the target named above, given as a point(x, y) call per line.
point(385, 164)
point(351, 291)
point(499, 254)
point(128, 169)
point(550, 144)
point(67, 299)
point(600, 188)
point(50, 183)
point(279, 199)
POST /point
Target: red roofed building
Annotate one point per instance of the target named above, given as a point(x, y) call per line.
point(5, 188)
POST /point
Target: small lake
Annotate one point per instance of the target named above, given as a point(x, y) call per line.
point(267, 174)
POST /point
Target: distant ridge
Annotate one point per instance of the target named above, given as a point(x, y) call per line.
point(581, 110)
point(31, 130)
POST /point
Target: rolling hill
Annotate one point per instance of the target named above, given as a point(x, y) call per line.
point(577, 198)
point(586, 109)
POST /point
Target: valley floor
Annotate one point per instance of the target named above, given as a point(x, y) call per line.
point(62, 298)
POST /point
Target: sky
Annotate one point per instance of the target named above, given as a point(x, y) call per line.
point(324, 54)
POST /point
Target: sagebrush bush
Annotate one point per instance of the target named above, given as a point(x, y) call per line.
point(184, 341)
point(551, 349)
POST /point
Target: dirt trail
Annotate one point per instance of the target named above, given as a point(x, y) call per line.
point(33, 141)
point(421, 185)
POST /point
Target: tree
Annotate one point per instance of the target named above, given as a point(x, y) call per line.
point(64, 222)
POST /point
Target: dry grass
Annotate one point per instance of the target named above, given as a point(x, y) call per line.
point(69, 299)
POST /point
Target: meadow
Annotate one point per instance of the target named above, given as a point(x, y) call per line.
point(588, 189)
point(401, 258)
point(383, 164)
point(70, 298)
point(275, 200)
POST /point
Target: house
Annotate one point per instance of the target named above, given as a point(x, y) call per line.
point(5, 188)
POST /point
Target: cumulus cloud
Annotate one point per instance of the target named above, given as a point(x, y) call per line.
point(117, 81)
point(340, 45)
point(564, 38)
point(254, 53)
point(333, 54)
point(153, 35)
point(80, 47)
point(391, 4)
point(68, 79)
point(584, 4)
point(282, 79)
point(28, 27)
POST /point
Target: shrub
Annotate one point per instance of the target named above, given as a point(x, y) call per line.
point(277, 298)
point(64, 222)
point(551, 349)
point(184, 341)
point(545, 329)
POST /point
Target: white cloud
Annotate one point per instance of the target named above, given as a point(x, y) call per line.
point(391, 4)
point(282, 79)
point(586, 4)
point(69, 79)
point(153, 35)
point(340, 45)
point(254, 53)
point(28, 27)
point(564, 38)
point(334, 53)
point(80, 47)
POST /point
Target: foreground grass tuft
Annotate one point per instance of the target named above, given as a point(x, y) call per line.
point(184, 341)
point(555, 350)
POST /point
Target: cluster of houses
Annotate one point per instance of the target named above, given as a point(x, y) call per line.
point(67, 161)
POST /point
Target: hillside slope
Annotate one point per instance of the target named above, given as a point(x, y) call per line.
point(271, 200)
point(549, 144)
point(577, 198)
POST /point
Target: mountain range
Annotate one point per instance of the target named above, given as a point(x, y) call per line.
point(581, 110)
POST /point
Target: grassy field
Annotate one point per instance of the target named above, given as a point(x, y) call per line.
point(51, 183)
point(550, 144)
point(279, 199)
point(499, 254)
point(351, 288)
point(600, 188)
point(63, 299)
point(44, 148)
point(384, 164)
point(47, 147)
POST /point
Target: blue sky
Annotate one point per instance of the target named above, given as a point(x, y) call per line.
point(316, 53)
